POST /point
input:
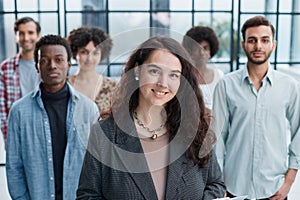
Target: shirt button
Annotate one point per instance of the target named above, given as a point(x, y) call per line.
point(49, 141)
point(52, 195)
point(51, 178)
point(74, 129)
point(50, 159)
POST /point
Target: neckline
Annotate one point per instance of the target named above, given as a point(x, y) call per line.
point(97, 87)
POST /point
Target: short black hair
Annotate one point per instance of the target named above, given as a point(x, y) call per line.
point(257, 21)
point(25, 20)
point(51, 40)
point(199, 34)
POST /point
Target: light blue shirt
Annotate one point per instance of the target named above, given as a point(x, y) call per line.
point(260, 131)
point(29, 164)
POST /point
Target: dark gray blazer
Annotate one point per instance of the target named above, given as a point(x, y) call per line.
point(107, 173)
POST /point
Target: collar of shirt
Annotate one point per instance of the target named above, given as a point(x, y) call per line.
point(38, 92)
point(269, 76)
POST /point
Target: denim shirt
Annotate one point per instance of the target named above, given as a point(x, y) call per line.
point(29, 164)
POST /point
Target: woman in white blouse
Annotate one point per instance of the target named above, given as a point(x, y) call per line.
point(202, 44)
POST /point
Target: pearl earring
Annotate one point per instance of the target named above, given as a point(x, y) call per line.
point(136, 78)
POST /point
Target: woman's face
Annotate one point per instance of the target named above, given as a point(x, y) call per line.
point(159, 78)
point(201, 53)
point(88, 57)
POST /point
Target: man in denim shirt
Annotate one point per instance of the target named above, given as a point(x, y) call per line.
point(48, 129)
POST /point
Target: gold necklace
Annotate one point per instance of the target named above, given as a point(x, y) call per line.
point(153, 132)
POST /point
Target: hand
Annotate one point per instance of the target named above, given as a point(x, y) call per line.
point(282, 193)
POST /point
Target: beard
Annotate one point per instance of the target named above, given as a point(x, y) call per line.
point(257, 62)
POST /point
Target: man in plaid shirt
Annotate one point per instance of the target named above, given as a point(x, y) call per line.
point(18, 75)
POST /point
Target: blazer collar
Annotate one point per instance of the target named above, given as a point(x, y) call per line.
point(178, 167)
point(130, 142)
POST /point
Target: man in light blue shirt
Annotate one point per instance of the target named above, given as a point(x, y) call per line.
point(251, 109)
point(48, 130)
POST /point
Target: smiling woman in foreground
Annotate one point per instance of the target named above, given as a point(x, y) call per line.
point(155, 144)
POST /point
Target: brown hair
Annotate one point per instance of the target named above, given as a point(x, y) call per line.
point(187, 109)
point(25, 20)
point(257, 21)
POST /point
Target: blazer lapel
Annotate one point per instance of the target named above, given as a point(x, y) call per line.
point(178, 167)
point(174, 176)
point(145, 184)
point(143, 179)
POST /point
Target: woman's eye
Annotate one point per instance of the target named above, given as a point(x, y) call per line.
point(84, 52)
point(154, 71)
point(96, 53)
point(174, 76)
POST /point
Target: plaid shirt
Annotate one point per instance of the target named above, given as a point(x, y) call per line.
point(10, 89)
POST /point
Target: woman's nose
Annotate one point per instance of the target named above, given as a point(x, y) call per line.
point(163, 81)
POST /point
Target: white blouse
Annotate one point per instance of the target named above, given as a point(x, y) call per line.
point(208, 89)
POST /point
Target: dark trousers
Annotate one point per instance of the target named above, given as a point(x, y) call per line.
point(231, 196)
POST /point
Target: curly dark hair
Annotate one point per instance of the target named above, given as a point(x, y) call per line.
point(51, 40)
point(25, 20)
point(185, 112)
point(79, 38)
point(199, 34)
point(257, 21)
